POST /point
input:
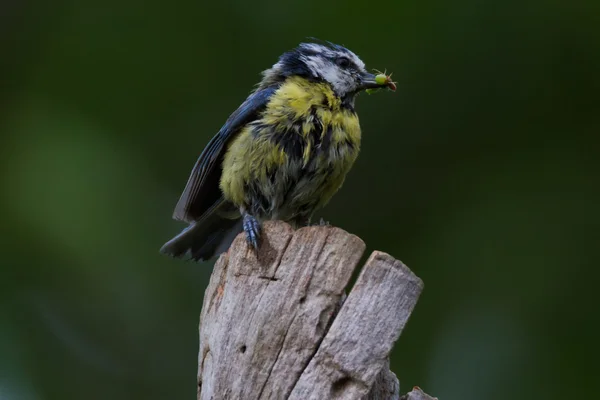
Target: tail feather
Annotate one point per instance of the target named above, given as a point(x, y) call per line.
point(202, 240)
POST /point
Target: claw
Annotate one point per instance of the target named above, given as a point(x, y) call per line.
point(252, 229)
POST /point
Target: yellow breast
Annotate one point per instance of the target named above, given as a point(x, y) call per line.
point(297, 153)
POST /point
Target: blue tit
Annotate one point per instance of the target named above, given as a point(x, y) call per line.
point(281, 155)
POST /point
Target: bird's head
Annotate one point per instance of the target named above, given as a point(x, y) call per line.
point(330, 63)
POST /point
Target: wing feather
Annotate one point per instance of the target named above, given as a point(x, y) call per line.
point(202, 188)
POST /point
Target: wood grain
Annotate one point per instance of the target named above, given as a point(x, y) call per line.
point(361, 338)
point(275, 325)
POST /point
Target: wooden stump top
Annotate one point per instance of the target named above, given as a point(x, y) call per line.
point(275, 324)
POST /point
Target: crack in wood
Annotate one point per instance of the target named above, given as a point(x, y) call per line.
point(276, 358)
point(298, 339)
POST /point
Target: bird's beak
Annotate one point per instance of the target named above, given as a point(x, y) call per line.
point(368, 81)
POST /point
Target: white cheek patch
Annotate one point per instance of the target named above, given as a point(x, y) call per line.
point(316, 65)
point(341, 82)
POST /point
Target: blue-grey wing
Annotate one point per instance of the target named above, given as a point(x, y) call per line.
point(202, 190)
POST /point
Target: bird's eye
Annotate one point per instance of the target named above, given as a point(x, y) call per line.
point(343, 62)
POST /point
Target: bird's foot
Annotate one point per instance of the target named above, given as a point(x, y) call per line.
point(252, 229)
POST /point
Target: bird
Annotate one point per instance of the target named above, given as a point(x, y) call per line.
point(281, 155)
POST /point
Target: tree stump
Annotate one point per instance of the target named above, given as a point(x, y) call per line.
point(275, 324)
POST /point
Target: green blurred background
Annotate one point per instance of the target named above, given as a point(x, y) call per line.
point(480, 173)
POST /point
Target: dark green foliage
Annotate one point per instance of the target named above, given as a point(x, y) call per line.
point(480, 173)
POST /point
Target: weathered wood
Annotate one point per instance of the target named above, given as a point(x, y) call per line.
point(417, 394)
point(386, 386)
point(270, 326)
point(362, 335)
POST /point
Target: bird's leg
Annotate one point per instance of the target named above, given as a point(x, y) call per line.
point(252, 228)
